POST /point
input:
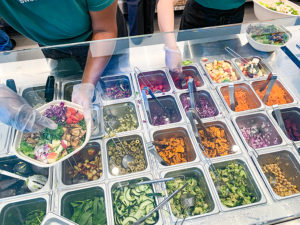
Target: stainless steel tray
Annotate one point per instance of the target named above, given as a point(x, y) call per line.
point(288, 163)
point(52, 218)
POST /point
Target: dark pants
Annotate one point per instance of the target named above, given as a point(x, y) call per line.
point(141, 16)
point(73, 59)
point(197, 16)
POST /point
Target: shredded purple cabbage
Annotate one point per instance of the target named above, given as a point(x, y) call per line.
point(204, 108)
point(56, 112)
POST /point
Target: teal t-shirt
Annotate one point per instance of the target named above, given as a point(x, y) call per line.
point(221, 4)
point(51, 22)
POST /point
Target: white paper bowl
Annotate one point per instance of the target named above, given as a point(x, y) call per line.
point(41, 109)
point(266, 47)
point(263, 13)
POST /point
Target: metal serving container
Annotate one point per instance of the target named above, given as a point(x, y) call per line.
point(168, 101)
point(287, 162)
point(188, 71)
point(197, 173)
point(156, 78)
point(17, 187)
point(231, 136)
point(218, 58)
point(252, 98)
point(81, 194)
point(15, 212)
point(97, 112)
point(252, 120)
point(251, 183)
point(116, 139)
point(204, 95)
point(176, 132)
point(288, 112)
point(289, 96)
point(118, 111)
point(266, 69)
point(53, 219)
point(35, 96)
point(120, 82)
point(89, 152)
point(126, 181)
point(6, 137)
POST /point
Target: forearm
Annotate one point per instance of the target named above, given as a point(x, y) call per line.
point(165, 13)
point(98, 56)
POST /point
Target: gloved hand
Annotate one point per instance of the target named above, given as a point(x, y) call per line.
point(16, 112)
point(173, 59)
point(83, 94)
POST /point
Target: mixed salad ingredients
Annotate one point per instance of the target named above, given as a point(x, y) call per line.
point(85, 166)
point(278, 95)
point(34, 217)
point(292, 125)
point(172, 150)
point(157, 81)
point(204, 105)
point(241, 100)
point(169, 114)
point(279, 6)
point(259, 132)
point(193, 188)
point(89, 212)
point(221, 71)
point(132, 203)
point(283, 186)
point(133, 146)
point(187, 73)
point(234, 185)
point(120, 118)
point(217, 143)
point(11, 186)
point(116, 89)
point(48, 145)
point(267, 34)
point(252, 68)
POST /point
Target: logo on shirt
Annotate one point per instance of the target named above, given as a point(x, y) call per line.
point(25, 1)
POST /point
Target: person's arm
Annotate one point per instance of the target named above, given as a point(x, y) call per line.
point(165, 13)
point(104, 25)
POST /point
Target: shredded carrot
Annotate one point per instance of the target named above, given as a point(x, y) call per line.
point(174, 153)
point(277, 96)
point(216, 144)
point(241, 100)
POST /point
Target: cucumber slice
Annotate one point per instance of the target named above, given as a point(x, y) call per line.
point(145, 203)
point(149, 208)
point(128, 196)
point(150, 220)
point(135, 192)
point(143, 187)
point(139, 214)
point(128, 220)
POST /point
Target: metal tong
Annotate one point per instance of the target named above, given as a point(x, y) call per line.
point(160, 205)
point(236, 55)
point(265, 84)
point(232, 96)
point(144, 80)
point(191, 116)
point(269, 89)
point(150, 147)
point(192, 88)
point(278, 117)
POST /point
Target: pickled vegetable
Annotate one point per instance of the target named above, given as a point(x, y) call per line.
point(217, 143)
point(117, 150)
point(132, 203)
point(194, 188)
point(234, 187)
point(221, 71)
point(283, 186)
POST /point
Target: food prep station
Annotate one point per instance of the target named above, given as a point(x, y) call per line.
point(127, 123)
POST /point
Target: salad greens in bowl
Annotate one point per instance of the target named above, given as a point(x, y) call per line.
point(49, 147)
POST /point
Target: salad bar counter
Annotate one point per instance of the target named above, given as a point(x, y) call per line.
point(240, 165)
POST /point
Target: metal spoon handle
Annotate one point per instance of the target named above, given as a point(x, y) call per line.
point(231, 97)
point(152, 150)
point(6, 173)
point(236, 55)
point(159, 205)
point(155, 181)
point(154, 97)
point(279, 118)
point(146, 104)
point(192, 114)
point(265, 84)
point(191, 85)
point(144, 78)
point(269, 89)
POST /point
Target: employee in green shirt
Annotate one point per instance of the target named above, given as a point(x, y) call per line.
point(53, 22)
point(196, 14)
